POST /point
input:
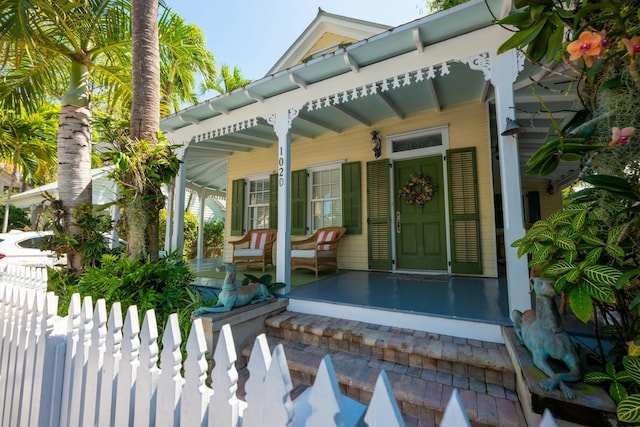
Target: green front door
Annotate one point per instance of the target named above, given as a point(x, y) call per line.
point(421, 242)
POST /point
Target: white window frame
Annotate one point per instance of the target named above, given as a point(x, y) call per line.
point(247, 202)
point(337, 165)
point(418, 152)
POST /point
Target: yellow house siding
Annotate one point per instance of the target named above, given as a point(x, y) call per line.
point(328, 39)
point(468, 126)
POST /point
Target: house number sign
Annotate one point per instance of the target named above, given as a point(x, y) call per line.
point(280, 169)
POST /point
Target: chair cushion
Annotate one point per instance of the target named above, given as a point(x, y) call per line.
point(303, 253)
point(248, 252)
point(326, 236)
point(259, 239)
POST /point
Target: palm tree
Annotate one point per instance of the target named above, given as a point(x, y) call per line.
point(47, 42)
point(28, 144)
point(229, 81)
point(57, 49)
point(184, 59)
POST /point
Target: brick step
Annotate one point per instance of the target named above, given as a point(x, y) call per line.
point(484, 362)
point(422, 394)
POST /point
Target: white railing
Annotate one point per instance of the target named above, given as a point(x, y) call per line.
point(88, 369)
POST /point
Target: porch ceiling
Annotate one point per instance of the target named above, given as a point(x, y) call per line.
point(206, 160)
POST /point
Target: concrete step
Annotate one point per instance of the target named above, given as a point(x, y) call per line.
point(423, 368)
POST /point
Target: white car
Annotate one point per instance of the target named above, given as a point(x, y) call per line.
point(23, 248)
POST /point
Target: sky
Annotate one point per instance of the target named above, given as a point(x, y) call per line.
point(254, 34)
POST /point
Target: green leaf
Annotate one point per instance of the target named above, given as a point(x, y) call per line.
point(523, 37)
point(599, 291)
point(565, 243)
point(615, 251)
point(560, 268)
point(581, 304)
point(632, 366)
point(579, 220)
point(517, 19)
point(617, 391)
point(628, 409)
point(592, 240)
point(573, 275)
point(596, 377)
point(615, 233)
point(602, 274)
point(570, 157)
point(594, 255)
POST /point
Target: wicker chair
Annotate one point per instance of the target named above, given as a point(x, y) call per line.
point(256, 247)
point(319, 251)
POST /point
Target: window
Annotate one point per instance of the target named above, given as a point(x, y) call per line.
point(326, 198)
point(258, 204)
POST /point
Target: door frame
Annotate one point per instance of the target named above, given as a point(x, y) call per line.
point(416, 153)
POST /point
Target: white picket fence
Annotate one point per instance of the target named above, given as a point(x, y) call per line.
point(88, 369)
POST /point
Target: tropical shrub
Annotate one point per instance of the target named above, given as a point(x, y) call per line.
point(163, 285)
point(18, 219)
point(590, 247)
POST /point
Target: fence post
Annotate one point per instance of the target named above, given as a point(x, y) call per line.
point(17, 307)
point(194, 400)
point(23, 355)
point(383, 410)
point(112, 356)
point(125, 388)
point(170, 382)
point(52, 365)
point(95, 359)
point(258, 366)
point(328, 405)
point(31, 360)
point(147, 377)
point(224, 405)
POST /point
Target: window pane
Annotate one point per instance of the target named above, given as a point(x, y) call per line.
point(326, 198)
point(258, 208)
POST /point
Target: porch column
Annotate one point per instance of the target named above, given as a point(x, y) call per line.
point(504, 71)
point(202, 195)
point(179, 191)
point(281, 122)
point(168, 228)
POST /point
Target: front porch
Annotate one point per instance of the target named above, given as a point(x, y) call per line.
point(466, 307)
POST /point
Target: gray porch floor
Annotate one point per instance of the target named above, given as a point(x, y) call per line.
point(468, 298)
point(465, 298)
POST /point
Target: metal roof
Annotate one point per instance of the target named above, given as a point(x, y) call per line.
point(206, 160)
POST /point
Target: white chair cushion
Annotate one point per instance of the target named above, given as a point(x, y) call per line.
point(303, 253)
point(248, 252)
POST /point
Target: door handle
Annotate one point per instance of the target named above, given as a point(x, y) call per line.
point(398, 226)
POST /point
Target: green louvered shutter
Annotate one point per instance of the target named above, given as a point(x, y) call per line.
point(465, 214)
point(299, 202)
point(273, 201)
point(352, 197)
point(379, 215)
point(237, 207)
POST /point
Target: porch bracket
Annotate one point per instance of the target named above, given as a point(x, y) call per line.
point(348, 59)
point(297, 80)
point(418, 40)
point(480, 62)
point(434, 94)
point(253, 95)
point(187, 119)
point(217, 109)
point(281, 122)
point(504, 70)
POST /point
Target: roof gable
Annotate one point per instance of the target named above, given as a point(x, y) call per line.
point(326, 33)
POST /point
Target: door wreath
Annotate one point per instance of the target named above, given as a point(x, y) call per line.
point(418, 190)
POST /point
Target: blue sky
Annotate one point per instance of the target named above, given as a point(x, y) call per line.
point(254, 34)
